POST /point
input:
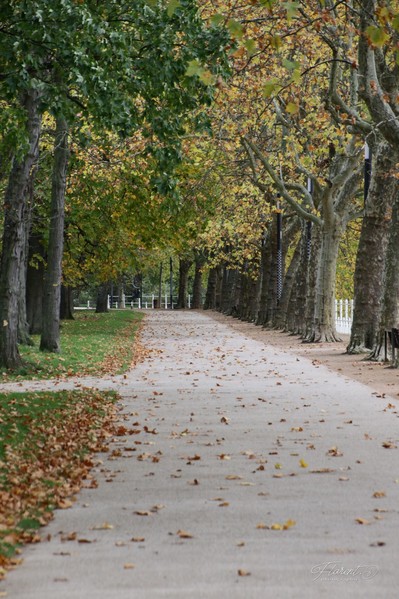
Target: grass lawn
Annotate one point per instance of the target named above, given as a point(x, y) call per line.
point(90, 344)
point(47, 439)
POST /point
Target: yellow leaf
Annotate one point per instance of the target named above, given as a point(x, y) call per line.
point(303, 464)
point(362, 521)
point(379, 494)
point(292, 108)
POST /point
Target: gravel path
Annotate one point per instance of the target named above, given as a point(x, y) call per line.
point(249, 473)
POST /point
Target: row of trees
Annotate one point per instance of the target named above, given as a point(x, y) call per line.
point(80, 76)
point(321, 84)
point(109, 162)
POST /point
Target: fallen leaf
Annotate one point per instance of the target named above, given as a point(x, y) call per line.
point(362, 521)
point(184, 534)
point(243, 573)
point(334, 452)
point(129, 566)
point(233, 477)
point(104, 526)
point(389, 445)
point(303, 464)
point(143, 513)
point(379, 494)
point(137, 539)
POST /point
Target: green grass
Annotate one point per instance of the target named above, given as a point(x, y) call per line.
point(90, 344)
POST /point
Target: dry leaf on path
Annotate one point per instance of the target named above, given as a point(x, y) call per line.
point(183, 534)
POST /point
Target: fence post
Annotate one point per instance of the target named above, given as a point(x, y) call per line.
point(153, 298)
point(108, 302)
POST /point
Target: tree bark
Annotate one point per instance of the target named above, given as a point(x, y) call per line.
point(210, 297)
point(34, 284)
point(323, 328)
point(390, 308)
point(197, 285)
point(66, 306)
point(289, 280)
point(14, 236)
point(184, 268)
point(266, 268)
point(102, 299)
point(50, 338)
point(371, 254)
point(24, 337)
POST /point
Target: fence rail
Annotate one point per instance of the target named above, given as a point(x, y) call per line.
point(343, 316)
point(343, 308)
point(146, 302)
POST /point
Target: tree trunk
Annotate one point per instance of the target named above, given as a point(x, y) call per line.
point(228, 300)
point(23, 323)
point(296, 310)
point(66, 307)
point(370, 260)
point(34, 285)
point(197, 285)
point(266, 267)
point(14, 237)
point(289, 280)
point(323, 328)
point(102, 299)
point(210, 297)
point(50, 338)
point(184, 267)
point(311, 279)
point(390, 308)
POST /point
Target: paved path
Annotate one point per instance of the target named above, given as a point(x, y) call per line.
point(225, 422)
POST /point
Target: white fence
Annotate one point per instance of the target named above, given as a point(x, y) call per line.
point(147, 302)
point(343, 308)
point(343, 316)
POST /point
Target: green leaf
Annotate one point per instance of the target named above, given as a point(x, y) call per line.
point(235, 28)
point(172, 6)
point(217, 19)
point(290, 65)
point(194, 68)
point(292, 9)
point(251, 46)
point(377, 36)
point(296, 76)
point(276, 42)
point(206, 77)
point(270, 87)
